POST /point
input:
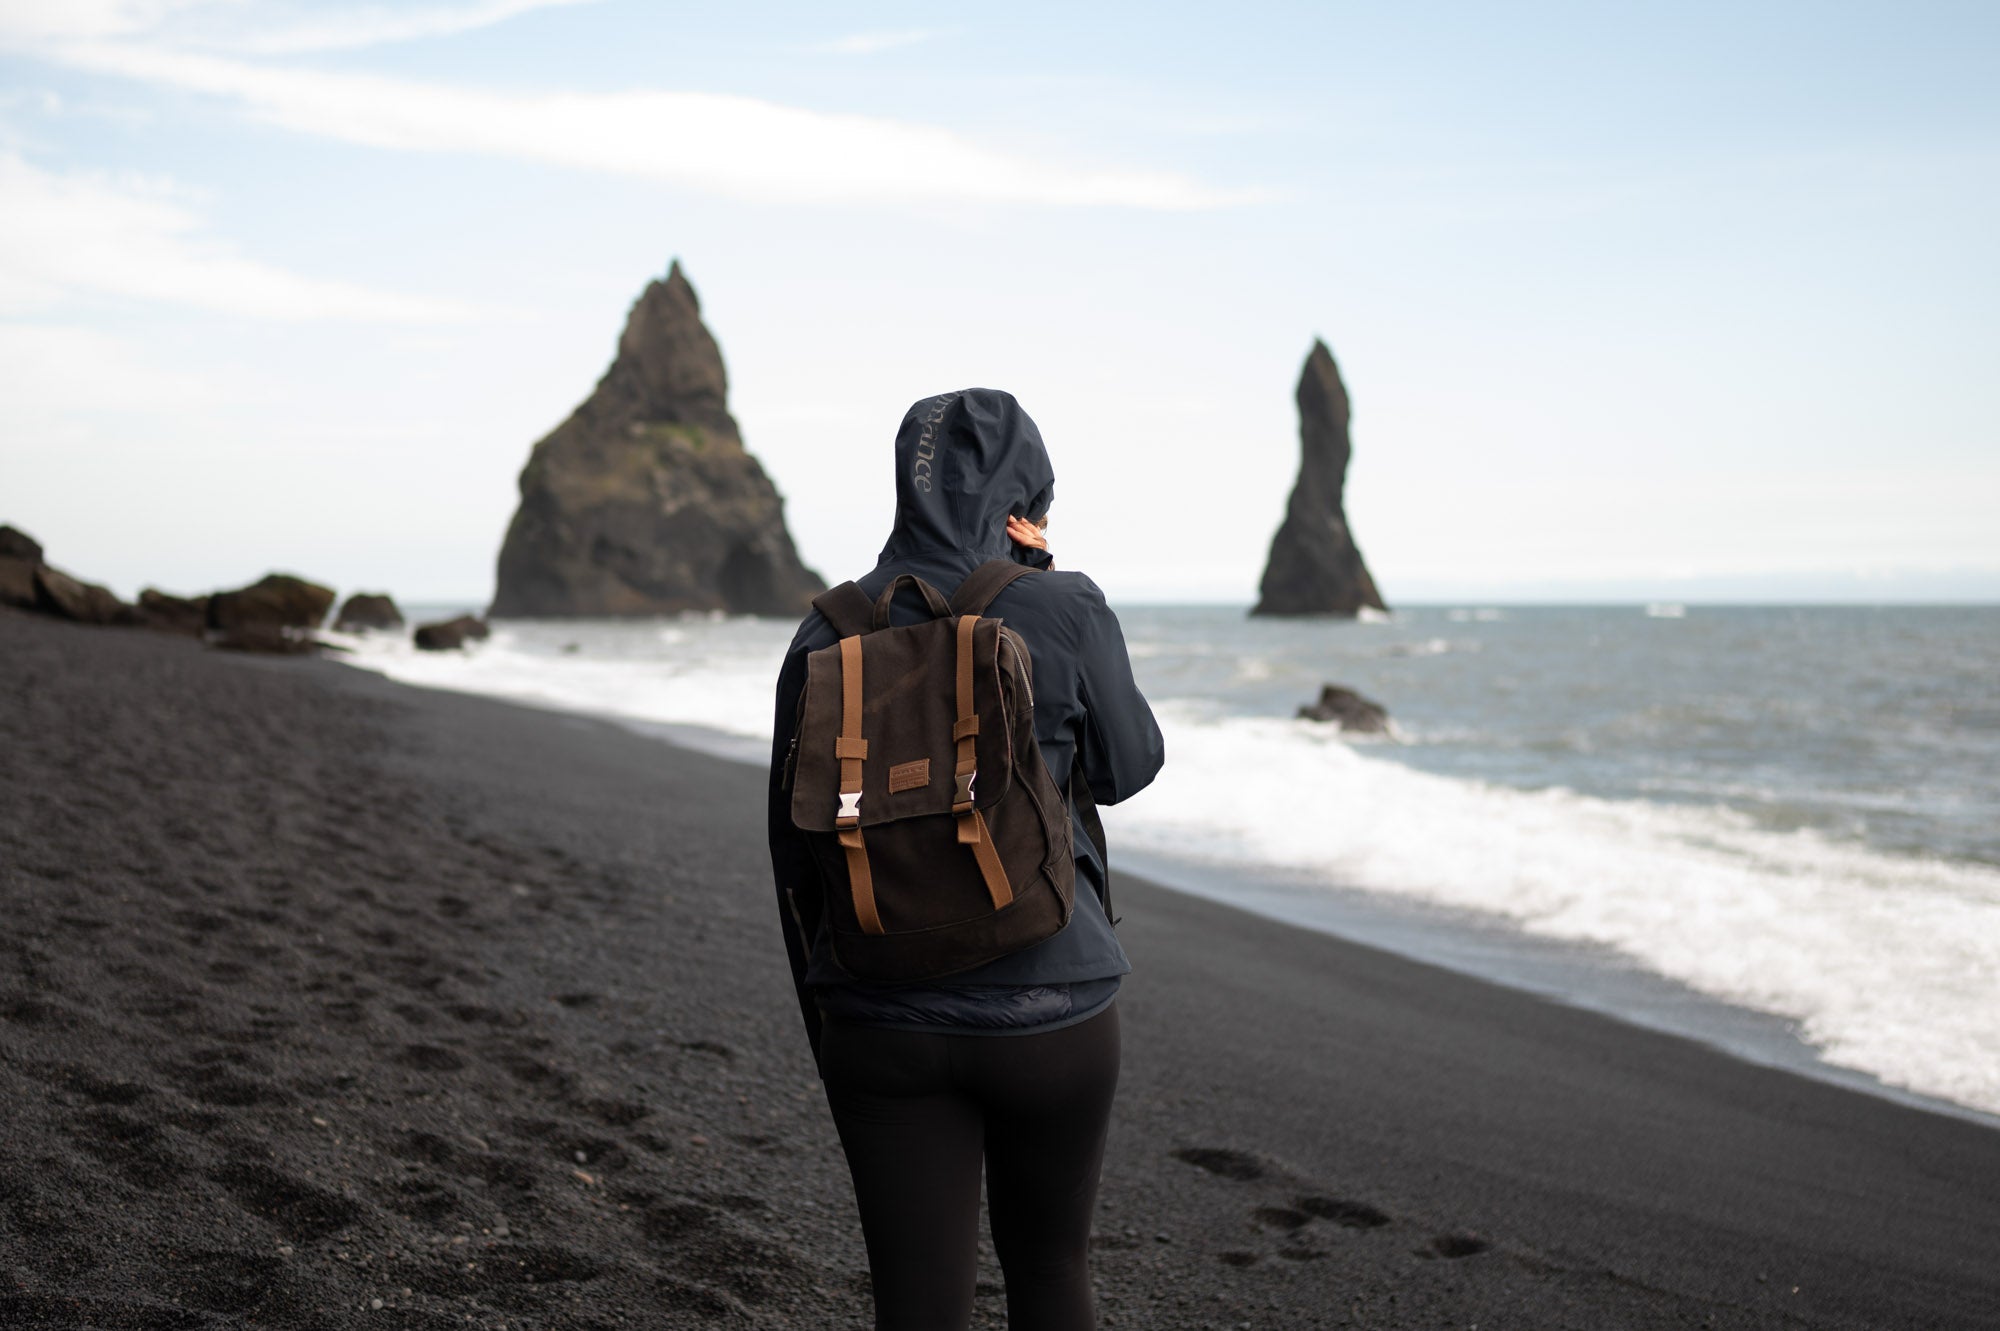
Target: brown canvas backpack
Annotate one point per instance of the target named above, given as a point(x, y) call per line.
point(916, 775)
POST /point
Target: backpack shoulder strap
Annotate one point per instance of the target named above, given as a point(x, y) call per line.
point(847, 608)
point(984, 583)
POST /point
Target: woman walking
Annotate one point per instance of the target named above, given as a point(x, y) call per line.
point(1009, 1067)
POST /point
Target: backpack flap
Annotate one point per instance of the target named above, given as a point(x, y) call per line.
point(908, 725)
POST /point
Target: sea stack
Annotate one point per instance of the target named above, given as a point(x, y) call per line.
point(645, 502)
point(1315, 568)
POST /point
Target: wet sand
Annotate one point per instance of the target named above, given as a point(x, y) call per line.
point(317, 990)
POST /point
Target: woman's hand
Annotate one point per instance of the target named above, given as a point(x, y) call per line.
point(1023, 532)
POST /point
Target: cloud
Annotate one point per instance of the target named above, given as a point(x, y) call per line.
point(53, 370)
point(29, 21)
point(738, 146)
point(217, 23)
point(873, 43)
point(379, 25)
point(69, 234)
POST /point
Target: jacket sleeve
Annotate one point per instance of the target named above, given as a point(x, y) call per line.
point(1120, 749)
point(793, 869)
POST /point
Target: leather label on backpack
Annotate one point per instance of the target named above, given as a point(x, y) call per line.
point(910, 776)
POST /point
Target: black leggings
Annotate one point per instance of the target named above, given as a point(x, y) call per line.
point(917, 1112)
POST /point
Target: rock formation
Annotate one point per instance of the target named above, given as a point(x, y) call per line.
point(276, 600)
point(28, 582)
point(1315, 567)
point(173, 614)
point(275, 614)
point(17, 544)
point(448, 634)
point(84, 602)
point(644, 502)
point(1348, 710)
point(368, 610)
point(17, 582)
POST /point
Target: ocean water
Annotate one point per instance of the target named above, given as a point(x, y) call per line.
point(1790, 811)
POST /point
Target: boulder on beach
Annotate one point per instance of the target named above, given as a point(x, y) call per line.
point(17, 582)
point(85, 602)
point(17, 544)
point(447, 634)
point(1347, 709)
point(644, 501)
point(173, 614)
point(1315, 568)
point(368, 610)
point(277, 600)
point(20, 556)
point(28, 582)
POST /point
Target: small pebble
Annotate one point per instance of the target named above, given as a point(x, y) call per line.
point(375, 1303)
point(582, 1159)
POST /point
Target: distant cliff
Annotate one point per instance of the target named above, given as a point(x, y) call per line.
point(645, 502)
point(1315, 568)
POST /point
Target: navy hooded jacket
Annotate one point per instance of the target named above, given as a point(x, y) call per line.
point(964, 462)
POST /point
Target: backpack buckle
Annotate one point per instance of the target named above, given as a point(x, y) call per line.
point(962, 797)
point(850, 807)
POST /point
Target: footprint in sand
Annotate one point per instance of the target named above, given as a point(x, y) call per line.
point(1349, 1215)
point(1454, 1245)
point(134, 1147)
point(300, 1211)
point(1237, 1165)
point(1291, 1221)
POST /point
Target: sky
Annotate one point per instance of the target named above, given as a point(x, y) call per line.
point(1692, 301)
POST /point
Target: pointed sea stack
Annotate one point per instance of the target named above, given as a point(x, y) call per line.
point(1315, 568)
point(644, 502)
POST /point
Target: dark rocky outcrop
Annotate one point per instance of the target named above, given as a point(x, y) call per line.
point(368, 610)
point(173, 614)
point(645, 502)
point(85, 602)
point(27, 582)
point(275, 614)
point(17, 544)
point(1348, 709)
point(1315, 567)
point(17, 582)
point(448, 634)
point(276, 600)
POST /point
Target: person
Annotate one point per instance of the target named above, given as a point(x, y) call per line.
point(1012, 1065)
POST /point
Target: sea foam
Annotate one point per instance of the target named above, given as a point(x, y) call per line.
point(1889, 964)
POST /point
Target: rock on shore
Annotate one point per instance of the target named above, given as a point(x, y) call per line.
point(276, 600)
point(645, 502)
point(448, 634)
point(368, 610)
point(1315, 568)
point(1348, 710)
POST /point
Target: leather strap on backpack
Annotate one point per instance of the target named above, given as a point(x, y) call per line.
point(984, 583)
point(850, 748)
point(847, 608)
point(972, 830)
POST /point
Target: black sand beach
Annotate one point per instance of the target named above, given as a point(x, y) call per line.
point(327, 1002)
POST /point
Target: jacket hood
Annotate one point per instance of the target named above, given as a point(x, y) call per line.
point(964, 462)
